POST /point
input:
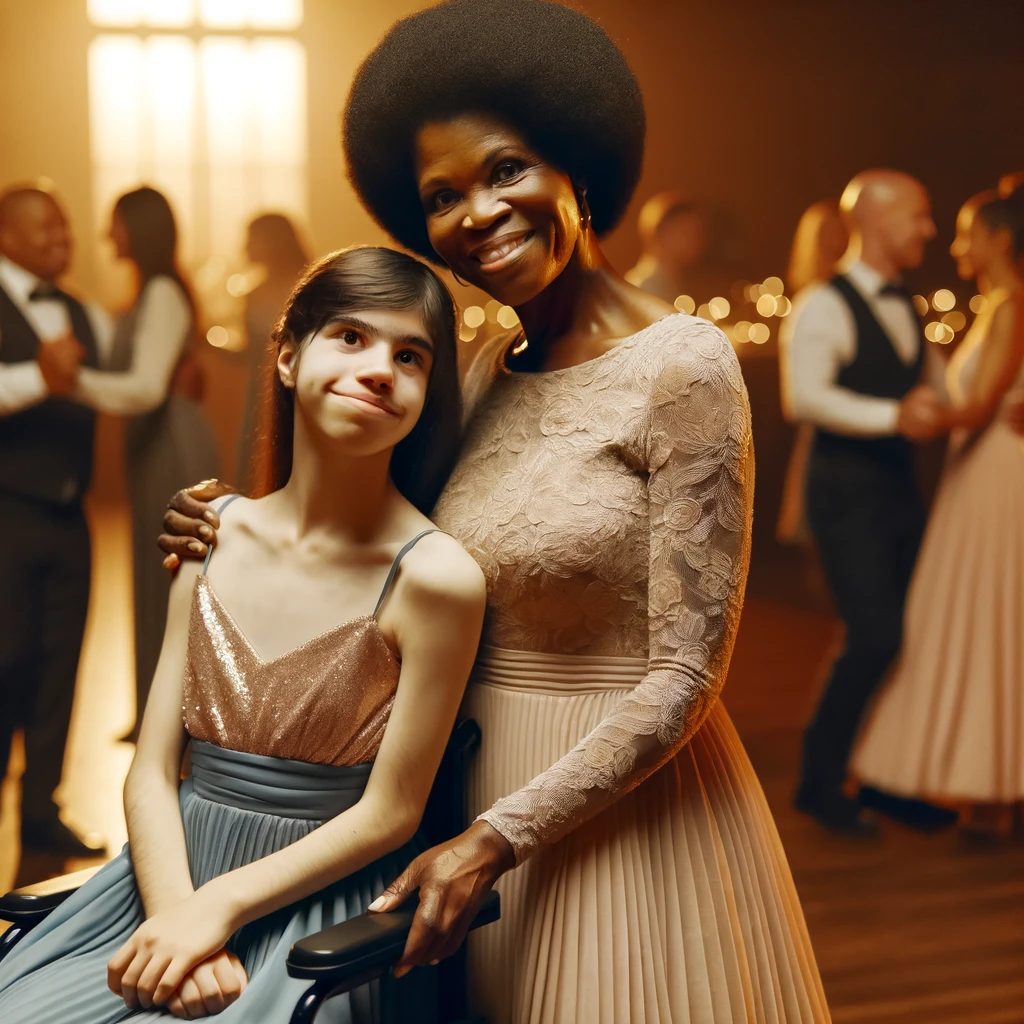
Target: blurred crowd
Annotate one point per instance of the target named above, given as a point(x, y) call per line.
point(919, 718)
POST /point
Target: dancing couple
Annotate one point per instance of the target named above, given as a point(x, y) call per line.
point(947, 729)
point(604, 487)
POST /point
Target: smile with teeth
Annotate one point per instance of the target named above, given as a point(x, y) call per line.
point(500, 252)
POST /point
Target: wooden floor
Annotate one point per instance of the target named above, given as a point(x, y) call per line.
point(908, 930)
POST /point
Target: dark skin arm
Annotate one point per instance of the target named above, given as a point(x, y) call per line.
point(453, 879)
point(190, 523)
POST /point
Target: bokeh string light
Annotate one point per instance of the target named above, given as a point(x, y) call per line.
point(766, 299)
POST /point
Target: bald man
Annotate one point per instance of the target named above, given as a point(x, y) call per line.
point(45, 467)
point(853, 358)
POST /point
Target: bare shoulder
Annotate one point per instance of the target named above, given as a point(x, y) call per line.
point(439, 571)
point(184, 582)
point(1008, 313)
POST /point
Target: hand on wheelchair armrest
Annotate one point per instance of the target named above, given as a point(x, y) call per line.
point(37, 900)
point(369, 944)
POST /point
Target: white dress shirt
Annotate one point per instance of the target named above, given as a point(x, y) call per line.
point(22, 384)
point(819, 338)
point(162, 330)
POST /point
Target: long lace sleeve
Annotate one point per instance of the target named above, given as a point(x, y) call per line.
point(700, 487)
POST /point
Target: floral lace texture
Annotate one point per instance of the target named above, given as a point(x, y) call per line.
point(609, 505)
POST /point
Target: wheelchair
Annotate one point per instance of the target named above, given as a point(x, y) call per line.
point(347, 955)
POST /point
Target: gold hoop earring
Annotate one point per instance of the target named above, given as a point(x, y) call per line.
point(584, 208)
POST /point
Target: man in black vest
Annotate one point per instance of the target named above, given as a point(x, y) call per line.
point(46, 450)
point(853, 363)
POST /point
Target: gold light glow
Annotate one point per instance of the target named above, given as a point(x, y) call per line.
point(719, 307)
point(136, 13)
point(218, 125)
point(943, 299)
point(741, 331)
point(766, 305)
point(921, 305)
point(938, 332)
point(507, 317)
point(473, 316)
point(237, 285)
point(955, 320)
point(977, 303)
point(759, 333)
point(467, 334)
point(704, 311)
point(783, 307)
point(491, 310)
point(218, 336)
point(685, 304)
point(774, 286)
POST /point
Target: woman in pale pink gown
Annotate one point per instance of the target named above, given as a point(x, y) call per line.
point(605, 486)
point(949, 726)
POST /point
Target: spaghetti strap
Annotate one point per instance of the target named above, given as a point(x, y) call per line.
point(220, 512)
point(392, 572)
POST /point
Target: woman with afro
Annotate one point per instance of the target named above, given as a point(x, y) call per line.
point(605, 488)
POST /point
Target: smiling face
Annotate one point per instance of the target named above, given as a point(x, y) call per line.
point(978, 245)
point(361, 381)
point(496, 213)
point(36, 236)
point(907, 224)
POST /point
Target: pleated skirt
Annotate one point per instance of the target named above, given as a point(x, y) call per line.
point(949, 724)
point(676, 905)
point(236, 808)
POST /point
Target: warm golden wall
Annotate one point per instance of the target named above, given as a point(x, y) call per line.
point(756, 109)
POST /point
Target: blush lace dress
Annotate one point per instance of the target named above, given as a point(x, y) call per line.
point(609, 505)
point(278, 747)
point(949, 725)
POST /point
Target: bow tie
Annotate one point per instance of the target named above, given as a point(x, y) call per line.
point(895, 288)
point(45, 290)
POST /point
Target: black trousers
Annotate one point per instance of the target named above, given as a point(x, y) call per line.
point(868, 519)
point(45, 564)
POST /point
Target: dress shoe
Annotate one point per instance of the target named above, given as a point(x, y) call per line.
point(53, 836)
point(915, 814)
point(836, 813)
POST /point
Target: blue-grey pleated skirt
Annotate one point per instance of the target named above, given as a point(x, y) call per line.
point(235, 808)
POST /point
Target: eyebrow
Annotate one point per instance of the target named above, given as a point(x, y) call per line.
point(367, 328)
point(432, 183)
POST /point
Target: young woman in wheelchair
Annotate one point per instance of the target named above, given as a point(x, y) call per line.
point(317, 720)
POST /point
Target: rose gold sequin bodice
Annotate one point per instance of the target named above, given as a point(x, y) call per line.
point(325, 702)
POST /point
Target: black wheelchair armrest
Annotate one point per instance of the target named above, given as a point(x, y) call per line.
point(31, 903)
point(365, 947)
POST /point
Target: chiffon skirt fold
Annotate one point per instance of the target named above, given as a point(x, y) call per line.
point(236, 808)
point(949, 724)
point(674, 906)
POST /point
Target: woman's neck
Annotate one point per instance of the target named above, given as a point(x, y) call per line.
point(1000, 275)
point(587, 306)
point(333, 490)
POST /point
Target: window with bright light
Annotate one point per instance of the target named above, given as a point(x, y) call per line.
point(206, 101)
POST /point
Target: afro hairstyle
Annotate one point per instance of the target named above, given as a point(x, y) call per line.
point(548, 71)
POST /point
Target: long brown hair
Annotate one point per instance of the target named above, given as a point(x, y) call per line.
point(153, 238)
point(365, 278)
